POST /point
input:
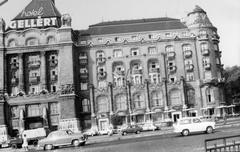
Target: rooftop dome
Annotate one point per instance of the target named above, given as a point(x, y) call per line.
point(196, 9)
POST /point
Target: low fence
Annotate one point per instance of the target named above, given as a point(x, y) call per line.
point(223, 144)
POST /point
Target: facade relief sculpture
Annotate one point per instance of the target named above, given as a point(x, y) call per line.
point(2, 25)
point(66, 20)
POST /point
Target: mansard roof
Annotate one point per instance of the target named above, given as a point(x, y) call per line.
point(138, 25)
point(44, 7)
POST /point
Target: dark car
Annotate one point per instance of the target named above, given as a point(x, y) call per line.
point(131, 129)
point(61, 138)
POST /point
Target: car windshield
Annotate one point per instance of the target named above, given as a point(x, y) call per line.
point(69, 132)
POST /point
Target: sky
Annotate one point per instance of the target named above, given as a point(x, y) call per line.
point(224, 14)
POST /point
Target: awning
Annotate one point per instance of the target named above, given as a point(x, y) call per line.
point(219, 107)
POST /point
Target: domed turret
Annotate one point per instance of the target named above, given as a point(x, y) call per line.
point(198, 18)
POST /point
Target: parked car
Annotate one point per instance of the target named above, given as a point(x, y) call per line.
point(61, 138)
point(193, 124)
point(107, 131)
point(91, 132)
point(131, 129)
point(150, 126)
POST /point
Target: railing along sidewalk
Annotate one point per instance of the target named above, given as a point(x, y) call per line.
point(223, 144)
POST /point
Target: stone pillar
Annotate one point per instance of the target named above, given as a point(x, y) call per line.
point(45, 117)
point(21, 72)
point(110, 85)
point(93, 115)
point(43, 71)
point(21, 121)
point(147, 95)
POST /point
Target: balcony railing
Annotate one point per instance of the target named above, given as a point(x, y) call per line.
point(170, 55)
point(154, 70)
point(137, 71)
point(14, 81)
point(187, 53)
point(54, 78)
point(120, 72)
point(83, 61)
point(14, 65)
point(207, 66)
point(101, 60)
point(34, 79)
point(218, 53)
point(219, 66)
point(34, 64)
point(215, 37)
point(83, 75)
point(102, 75)
point(53, 62)
point(202, 37)
point(189, 67)
point(205, 52)
point(172, 69)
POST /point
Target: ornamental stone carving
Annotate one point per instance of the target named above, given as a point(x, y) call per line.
point(67, 89)
point(2, 25)
point(66, 20)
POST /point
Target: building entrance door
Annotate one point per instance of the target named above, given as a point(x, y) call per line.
point(176, 115)
point(103, 124)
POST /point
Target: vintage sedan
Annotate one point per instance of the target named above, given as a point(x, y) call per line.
point(91, 132)
point(62, 138)
point(150, 126)
point(131, 129)
point(193, 124)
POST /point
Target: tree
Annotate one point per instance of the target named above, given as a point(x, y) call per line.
point(116, 120)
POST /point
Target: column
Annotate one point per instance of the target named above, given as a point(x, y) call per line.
point(147, 94)
point(43, 71)
point(21, 72)
point(92, 100)
point(110, 85)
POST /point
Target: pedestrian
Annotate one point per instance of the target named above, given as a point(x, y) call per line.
point(224, 118)
point(25, 142)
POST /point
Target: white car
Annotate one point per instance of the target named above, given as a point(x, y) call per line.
point(150, 126)
point(91, 132)
point(107, 131)
point(193, 124)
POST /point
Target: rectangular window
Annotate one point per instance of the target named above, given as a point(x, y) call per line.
point(150, 36)
point(118, 53)
point(34, 89)
point(189, 77)
point(134, 37)
point(34, 110)
point(167, 34)
point(117, 39)
point(84, 85)
point(54, 108)
point(14, 112)
point(100, 40)
point(135, 52)
point(207, 75)
point(152, 50)
point(184, 34)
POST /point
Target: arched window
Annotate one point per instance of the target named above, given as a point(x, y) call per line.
point(175, 97)
point(102, 104)
point(152, 50)
point(12, 43)
point(209, 95)
point(186, 47)
point(191, 96)
point(157, 99)
point(169, 48)
point(86, 105)
point(121, 102)
point(139, 101)
point(31, 41)
point(203, 46)
point(100, 54)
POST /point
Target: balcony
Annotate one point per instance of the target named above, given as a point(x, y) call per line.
point(102, 75)
point(34, 64)
point(35, 79)
point(207, 66)
point(101, 60)
point(189, 67)
point(218, 53)
point(219, 66)
point(14, 65)
point(187, 53)
point(83, 75)
point(170, 55)
point(202, 37)
point(137, 71)
point(205, 52)
point(14, 81)
point(53, 62)
point(54, 78)
point(120, 72)
point(172, 69)
point(215, 38)
point(83, 60)
point(154, 70)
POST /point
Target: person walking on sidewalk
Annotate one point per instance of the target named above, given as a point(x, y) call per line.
point(224, 118)
point(25, 142)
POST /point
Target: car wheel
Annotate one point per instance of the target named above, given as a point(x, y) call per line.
point(75, 143)
point(185, 132)
point(209, 129)
point(124, 133)
point(14, 146)
point(48, 147)
point(35, 143)
point(138, 132)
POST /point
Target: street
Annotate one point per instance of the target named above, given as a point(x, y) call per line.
point(147, 141)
